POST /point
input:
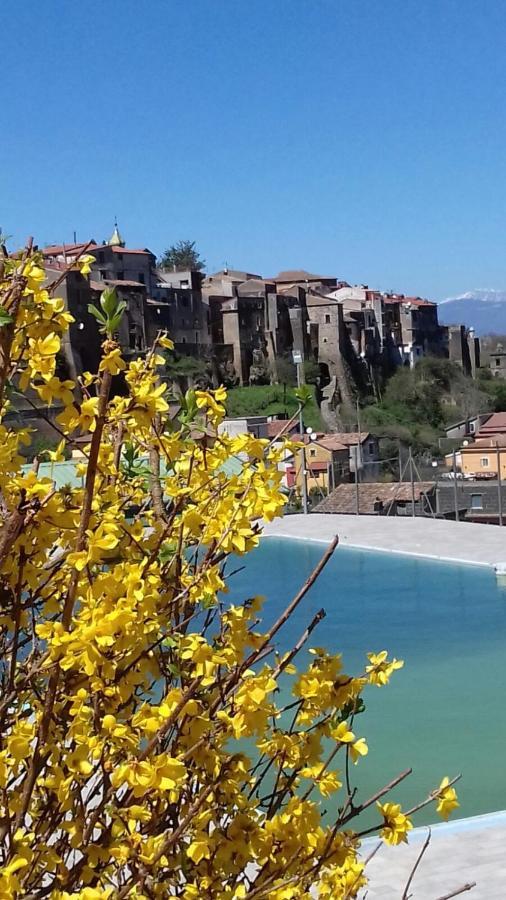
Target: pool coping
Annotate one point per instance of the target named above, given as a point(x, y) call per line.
point(480, 822)
point(368, 548)
point(476, 545)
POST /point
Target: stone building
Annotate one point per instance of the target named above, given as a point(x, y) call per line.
point(463, 348)
point(176, 305)
point(253, 325)
point(497, 363)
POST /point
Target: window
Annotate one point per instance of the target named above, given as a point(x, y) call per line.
point(103, 274)
point(484, 463)
point(312, 452)
point(476, 501)
point(141, 277)
point(184, 301)
point(120, 257)
point(120, 275)
point(472, 427)
point(497, 361)
point(327, 318)
point(185, 284)
point(371, 447)
point(101, 256)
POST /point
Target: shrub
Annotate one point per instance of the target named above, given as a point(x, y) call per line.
point(129, 685)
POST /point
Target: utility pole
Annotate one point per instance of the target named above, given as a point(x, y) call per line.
point(412, 483)
point(297, 358)
point(499, 483)
point(455, 494)
point(358, 456)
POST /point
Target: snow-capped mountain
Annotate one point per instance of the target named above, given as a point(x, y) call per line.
point(484, 310)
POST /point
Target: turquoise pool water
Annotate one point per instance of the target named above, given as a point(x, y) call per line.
point(445, 712)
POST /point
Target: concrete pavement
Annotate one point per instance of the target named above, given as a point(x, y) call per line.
point(459, 542)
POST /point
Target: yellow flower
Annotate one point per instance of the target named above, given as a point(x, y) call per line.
point(58, 454)
point(381, 667)
point(447, 799)
point(112, 362)
point(165, 342)
point(53, 388)
point(396, 824)
point(85, 263)
point(199, 849)
point(358, 748)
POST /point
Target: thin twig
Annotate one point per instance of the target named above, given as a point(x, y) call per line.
point(461, 890)
point(405, 895)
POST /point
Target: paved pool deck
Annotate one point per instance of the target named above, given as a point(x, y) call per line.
point(459, 853)
point(465, 850)
point(459, 542)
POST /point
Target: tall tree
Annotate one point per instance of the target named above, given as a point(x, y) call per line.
point(182, 256)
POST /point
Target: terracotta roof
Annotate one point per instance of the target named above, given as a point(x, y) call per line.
point(350, 438)
point(414, 301)
point(74, 249)
point(233, 274)
point(274, 428)
point(491, 440)
point(300, 275)
point(71, 249)
point(343, 497)
point(494, 425)
point(125, 250)
point(330, 442)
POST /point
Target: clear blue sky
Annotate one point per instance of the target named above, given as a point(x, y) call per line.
point(365, 138)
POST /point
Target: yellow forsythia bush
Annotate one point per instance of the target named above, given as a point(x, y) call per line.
point(127, 684)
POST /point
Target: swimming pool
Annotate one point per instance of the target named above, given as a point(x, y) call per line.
point(444, 713)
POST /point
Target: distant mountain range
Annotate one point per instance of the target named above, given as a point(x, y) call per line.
point(483, 310)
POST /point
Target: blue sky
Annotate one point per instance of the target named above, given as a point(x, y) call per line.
point(360, 138)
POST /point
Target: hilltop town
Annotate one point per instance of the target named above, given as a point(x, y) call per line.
point(242, 327)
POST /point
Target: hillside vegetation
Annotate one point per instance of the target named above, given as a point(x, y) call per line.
point(270, 400)
point(418, 403)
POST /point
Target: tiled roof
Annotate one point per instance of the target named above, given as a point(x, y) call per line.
point(121, 282)
point(492, 440)
point(494, 425)
point(126, 250)
point(274, 427)
point(71, 249)
point(343, 438)
point(330, 442)
point(343, 497)
point(233, 274)
point(300, 275)
point(414, 301)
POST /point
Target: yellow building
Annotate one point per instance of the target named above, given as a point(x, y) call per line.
point(482, 457)
point(325, 458)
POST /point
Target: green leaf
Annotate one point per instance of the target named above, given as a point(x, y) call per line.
point(303, 394)
point(96, 312)
point(109, 301)
point(5, 317)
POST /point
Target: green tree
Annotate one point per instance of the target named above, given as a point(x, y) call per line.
point(182, 256)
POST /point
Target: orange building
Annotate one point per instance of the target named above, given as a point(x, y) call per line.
point(327, 463)
point(482, 458)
